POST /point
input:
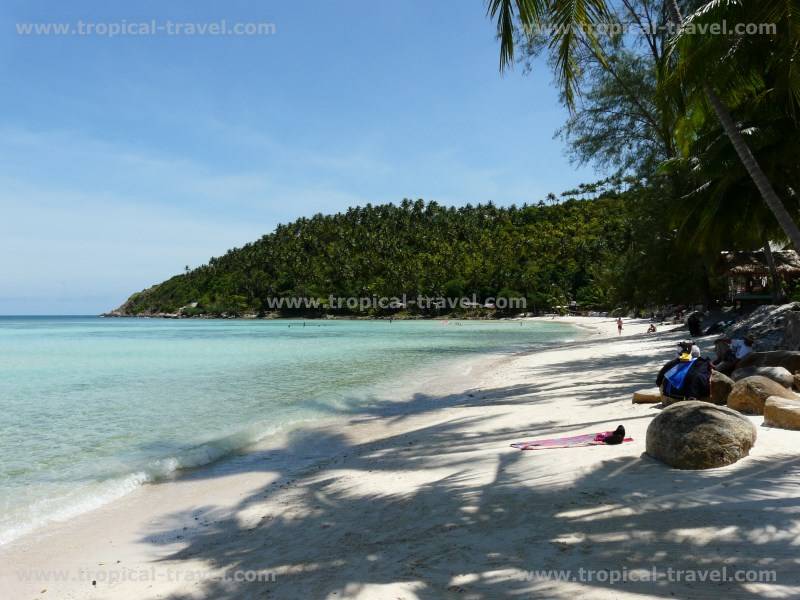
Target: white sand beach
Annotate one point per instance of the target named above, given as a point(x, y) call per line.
point(428, 500)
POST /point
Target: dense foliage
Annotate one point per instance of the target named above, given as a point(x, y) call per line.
point(644, 112)
point(548, 254)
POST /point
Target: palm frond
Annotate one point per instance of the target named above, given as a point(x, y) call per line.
point(572, 20)
point(566, 23)
point(530, 14)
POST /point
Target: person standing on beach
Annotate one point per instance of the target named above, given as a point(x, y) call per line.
point(619, 325)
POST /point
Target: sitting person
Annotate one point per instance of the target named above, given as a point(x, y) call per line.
point(730, 352)
point(684, 350)
point(652, 328)
point(687, 376)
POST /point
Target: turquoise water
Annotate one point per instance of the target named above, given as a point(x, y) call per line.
point(91, 408)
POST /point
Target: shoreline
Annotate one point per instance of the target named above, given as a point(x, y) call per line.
point(330, 317)
point(214, 449)
point(426, 498)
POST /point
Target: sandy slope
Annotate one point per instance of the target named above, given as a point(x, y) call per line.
point(431, 502)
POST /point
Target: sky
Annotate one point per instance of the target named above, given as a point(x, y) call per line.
point(123, 159)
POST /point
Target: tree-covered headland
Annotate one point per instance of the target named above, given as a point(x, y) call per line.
point(546, 254)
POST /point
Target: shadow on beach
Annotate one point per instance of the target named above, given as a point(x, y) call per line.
point(459, 530)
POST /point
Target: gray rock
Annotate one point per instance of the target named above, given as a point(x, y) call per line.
point(749, 394)
point(791, 331)
point(789, 360)
point(699, 435)
point(721, 386)
point(777, 374)
point(773, 327)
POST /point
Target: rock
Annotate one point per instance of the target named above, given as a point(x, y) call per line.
point(787, 359)
point(773, 327)
point(721, 386)
point(699, 435)
point(782, 412)
point(749, 394)
point(667, 401)
point(777, 374)
point(648, 396)
point(791, 329)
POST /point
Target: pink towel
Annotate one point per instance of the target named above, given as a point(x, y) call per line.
point(588, 439)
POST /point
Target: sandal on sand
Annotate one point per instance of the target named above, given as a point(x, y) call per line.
point(617, 437)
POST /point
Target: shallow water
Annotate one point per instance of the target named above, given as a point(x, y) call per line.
point(90, 408)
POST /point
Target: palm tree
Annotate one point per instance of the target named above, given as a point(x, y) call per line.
point(721, 208)
point(712, 10)
point(569, 17)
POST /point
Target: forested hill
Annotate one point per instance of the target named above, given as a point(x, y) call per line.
point(549, 254)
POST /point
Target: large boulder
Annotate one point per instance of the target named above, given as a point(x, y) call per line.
point(789, 360)
point(782, 412)
point(699, 435)
point(749, 394)
point(777, 374)
point(721, 386)
point(648, 396)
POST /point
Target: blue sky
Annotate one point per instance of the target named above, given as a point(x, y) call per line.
point(124, 159)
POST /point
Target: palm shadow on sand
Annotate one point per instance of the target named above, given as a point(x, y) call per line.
point(457, 535)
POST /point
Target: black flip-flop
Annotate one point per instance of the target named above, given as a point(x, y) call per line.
point(617, 437)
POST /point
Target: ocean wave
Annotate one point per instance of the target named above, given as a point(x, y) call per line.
point(65, 507)
point(209, 452)
point(96, 494)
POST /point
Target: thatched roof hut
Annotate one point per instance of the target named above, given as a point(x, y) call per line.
point(754, 263)
point(748, 273)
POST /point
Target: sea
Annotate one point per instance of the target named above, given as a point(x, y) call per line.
point(92, 408)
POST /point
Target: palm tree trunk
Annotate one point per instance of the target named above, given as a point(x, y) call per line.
point(754, 169)
point(776, 288)
point(677, 17)
point(749, 161)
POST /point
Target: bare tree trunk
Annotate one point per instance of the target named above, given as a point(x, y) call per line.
point(776, 288)
point(749, 161)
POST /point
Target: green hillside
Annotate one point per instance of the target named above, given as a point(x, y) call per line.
point(547, 254)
